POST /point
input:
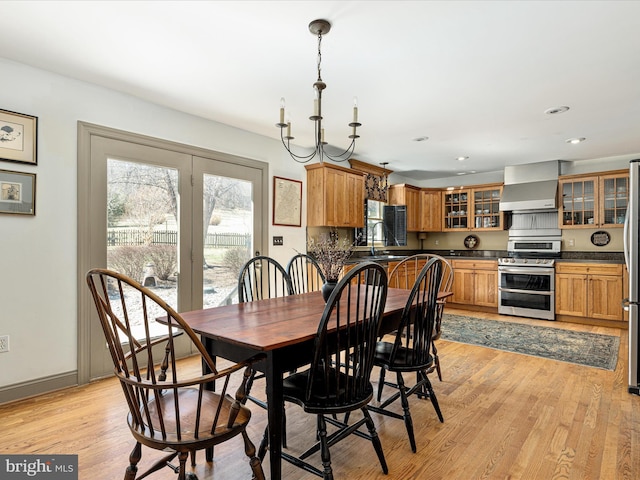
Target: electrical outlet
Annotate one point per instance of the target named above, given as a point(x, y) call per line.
point(572, 242)
point(4, 343)
point(437, 242)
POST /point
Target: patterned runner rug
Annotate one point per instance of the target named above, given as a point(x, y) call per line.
point(583, 348)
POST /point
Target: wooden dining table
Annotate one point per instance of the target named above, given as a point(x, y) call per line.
point(283, 329)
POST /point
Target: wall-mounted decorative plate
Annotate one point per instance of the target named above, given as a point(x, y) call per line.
point(600, 238)
point(471, 241)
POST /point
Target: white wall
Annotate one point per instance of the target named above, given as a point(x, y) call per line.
point(38, 281)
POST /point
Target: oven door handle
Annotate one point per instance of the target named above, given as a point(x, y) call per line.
point(527, 271)
point(528, 292)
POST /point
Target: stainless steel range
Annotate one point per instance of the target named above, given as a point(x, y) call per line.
point(527, 276)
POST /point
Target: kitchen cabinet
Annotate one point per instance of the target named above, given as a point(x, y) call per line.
point(455, 209)
point(402, 194)
point(430, 210)
point(335, 196)
point(476, 208)
point(475, 282)
point(589, 290)
point(486, 208)
point(593, 201)
point(614, 199)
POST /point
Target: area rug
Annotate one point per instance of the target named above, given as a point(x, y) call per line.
point(583, 348)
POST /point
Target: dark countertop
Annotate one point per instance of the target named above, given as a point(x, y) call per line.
point(577, 257)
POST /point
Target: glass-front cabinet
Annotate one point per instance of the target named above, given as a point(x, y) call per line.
point(473, 209)
point(614, 194)
point(486, 209)
point(578, 201)
point(455, 208)
point(594, 201)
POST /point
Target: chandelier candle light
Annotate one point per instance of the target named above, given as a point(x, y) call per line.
point(319, 28)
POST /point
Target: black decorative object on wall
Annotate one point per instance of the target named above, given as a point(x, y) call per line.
point(471, 242)
point(600, 238)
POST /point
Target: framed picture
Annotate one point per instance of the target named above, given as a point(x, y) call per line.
point(287, 202)
point(18, 137)
point(17, 192)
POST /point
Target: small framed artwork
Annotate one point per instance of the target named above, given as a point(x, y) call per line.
point(17, 192)
point(287, 202)
point(18, 137)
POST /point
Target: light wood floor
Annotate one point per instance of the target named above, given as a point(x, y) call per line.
point(507, 416)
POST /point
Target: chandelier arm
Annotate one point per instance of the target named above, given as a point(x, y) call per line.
point(297, 158)
point(344, 156)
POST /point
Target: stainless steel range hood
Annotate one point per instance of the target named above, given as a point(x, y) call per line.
point(533, 186)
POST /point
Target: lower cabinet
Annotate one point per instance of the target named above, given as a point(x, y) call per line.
point(590, 290)
point(475, 282)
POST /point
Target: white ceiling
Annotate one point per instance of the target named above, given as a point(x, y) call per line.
point(475, 77)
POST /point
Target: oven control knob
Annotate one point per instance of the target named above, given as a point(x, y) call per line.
point(524, 260)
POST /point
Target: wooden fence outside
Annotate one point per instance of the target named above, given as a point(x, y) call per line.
point(132, 237)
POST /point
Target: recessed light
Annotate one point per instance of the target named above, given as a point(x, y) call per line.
point(420, 139)
point(461, 173)
point(576, 140)
point(556, 110)
point(460, 159)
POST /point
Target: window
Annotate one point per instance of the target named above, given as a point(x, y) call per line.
point(374, 222)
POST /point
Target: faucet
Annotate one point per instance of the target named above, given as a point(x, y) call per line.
point(373, 237)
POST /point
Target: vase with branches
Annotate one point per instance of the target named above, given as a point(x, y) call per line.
point(331, 253)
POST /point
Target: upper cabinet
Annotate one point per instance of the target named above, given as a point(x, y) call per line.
point(614, 198)
point(335, 196)
point(486, 208)
point(430, 210)
point(455, 209)
point(473, 209)
point(593, 201)
point(402, 194)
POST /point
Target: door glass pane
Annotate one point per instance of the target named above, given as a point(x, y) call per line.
point(142, 226)
point(228, 233)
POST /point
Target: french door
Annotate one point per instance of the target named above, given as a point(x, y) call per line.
point(179, 220)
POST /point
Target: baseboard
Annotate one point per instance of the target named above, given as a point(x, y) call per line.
point(622, 325)
point(475, 308)
point(21, 391)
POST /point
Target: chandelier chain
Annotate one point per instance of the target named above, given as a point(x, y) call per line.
point(319, 56)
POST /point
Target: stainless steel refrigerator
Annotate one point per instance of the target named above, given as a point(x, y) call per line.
point(632, 259)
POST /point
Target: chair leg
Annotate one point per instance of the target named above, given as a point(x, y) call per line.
point(134, 458)
point(250, 451)
point(264, 444)
point(406, 413)
point(182, 457)
point(432, 396)
point(375, 439)
point(380, 383)
point(436, 360)
point(327, 473)
point(284, 428)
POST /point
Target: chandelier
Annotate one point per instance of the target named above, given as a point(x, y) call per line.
point(319, 28)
